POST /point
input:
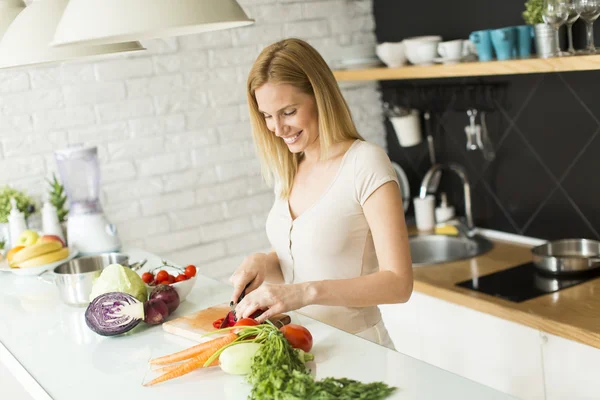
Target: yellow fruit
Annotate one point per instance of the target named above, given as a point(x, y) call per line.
point(34, 251)
point(11, 253)
point(47, 258)
point(27, 238)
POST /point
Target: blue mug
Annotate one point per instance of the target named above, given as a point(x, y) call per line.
point(483, 43)
point(525, 35)
point(504, 41)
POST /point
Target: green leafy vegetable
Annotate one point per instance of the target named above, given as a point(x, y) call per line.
point(279, 373)
point(25, 204)
point(57, 197)
point(116, 278)
point(533, 12)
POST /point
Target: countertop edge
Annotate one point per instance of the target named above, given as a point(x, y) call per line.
point(546, 325)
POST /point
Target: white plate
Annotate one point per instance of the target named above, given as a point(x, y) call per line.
point(404, 185)
point(36, 270)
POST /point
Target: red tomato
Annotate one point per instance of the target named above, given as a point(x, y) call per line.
point(165, 283)
point(147, 277)
point(298, 336)
point(190, 271)
point(181, 278)
point(162, 276)
point(217, 323)
point(244, 322)
point(171, 278)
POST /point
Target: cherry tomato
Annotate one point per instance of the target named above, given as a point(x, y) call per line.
point(171, 278)
point(162, 276)
point(147, 277)
point(298, 336)
point(190, 271)
point(181, 278)
point(165, 283)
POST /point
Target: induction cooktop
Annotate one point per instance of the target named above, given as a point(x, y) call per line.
point(523, 282)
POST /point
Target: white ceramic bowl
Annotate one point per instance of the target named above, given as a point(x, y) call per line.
point(392, 54)
point(183, 288)
point(422, 50)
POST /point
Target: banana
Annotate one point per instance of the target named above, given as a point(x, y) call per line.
point(35, 251)
point(44, 259)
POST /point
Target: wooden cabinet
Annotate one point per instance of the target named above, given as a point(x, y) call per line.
point(570, 369)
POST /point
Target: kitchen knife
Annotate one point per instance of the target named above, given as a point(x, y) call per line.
point(231, 314)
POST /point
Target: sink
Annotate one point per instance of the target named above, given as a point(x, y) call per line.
point(436, 249)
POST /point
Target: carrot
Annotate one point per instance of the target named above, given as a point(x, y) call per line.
point(170, 368)
point(193, 351)
point(195, 362)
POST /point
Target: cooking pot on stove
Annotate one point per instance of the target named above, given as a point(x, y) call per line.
point(567, 256)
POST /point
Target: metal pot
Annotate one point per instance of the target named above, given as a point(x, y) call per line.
point(567, 256)
point(75, 278)
point(545, 41)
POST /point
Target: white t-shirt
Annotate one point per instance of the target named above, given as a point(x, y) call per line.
point(332, 239)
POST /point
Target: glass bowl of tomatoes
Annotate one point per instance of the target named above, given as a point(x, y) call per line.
point(182, 279)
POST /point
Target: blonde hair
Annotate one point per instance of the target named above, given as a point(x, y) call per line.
point(295, 62)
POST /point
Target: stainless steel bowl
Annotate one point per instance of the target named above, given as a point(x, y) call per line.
point(75, 278)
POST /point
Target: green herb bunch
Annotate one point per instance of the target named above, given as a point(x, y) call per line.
point(533, 12)
point(25, 204)
point(279, 373)
point(57, 197)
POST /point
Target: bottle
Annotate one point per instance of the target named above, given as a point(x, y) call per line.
point(50, 223)
point(16, 222)
point(444, 212)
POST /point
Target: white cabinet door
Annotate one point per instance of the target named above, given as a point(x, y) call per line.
point(489, 350)
point(11, 388)
point(401, 321)
point(571, 369)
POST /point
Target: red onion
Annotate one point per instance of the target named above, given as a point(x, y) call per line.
point(155, 312)
point(168, 294)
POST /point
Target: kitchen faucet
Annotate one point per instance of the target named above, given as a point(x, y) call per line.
point(431, 181)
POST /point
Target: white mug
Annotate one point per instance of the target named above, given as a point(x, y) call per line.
point(425, 212)
point(408, 129)
point(452, 50)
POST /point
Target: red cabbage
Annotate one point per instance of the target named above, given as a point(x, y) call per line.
point(106, 314)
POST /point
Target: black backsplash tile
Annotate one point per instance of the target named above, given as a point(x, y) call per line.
point(586, 86)
point(548, 125)
point(541, 130)
point(582, 183)
point(518, 179)
point(558, 219)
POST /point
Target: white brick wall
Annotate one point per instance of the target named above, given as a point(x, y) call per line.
point(179, 172)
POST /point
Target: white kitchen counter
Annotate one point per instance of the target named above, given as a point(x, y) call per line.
point(49, 348)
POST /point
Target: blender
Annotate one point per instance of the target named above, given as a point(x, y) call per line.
point(88, 229)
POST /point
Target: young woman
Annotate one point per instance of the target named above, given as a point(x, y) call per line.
point(337, 230)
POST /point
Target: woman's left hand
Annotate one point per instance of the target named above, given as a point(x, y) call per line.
point(273, 299)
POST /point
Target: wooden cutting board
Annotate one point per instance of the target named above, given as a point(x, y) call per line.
point(193, 326)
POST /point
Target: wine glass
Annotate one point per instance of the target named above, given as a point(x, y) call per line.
point(554, 13)
point(589, 10)
point(571, 18)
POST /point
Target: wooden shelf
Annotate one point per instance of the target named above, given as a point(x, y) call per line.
point(510, 67)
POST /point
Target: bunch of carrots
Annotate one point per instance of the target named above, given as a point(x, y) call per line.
point(205, 354)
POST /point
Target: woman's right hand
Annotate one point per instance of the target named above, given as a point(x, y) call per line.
point(253, 271)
